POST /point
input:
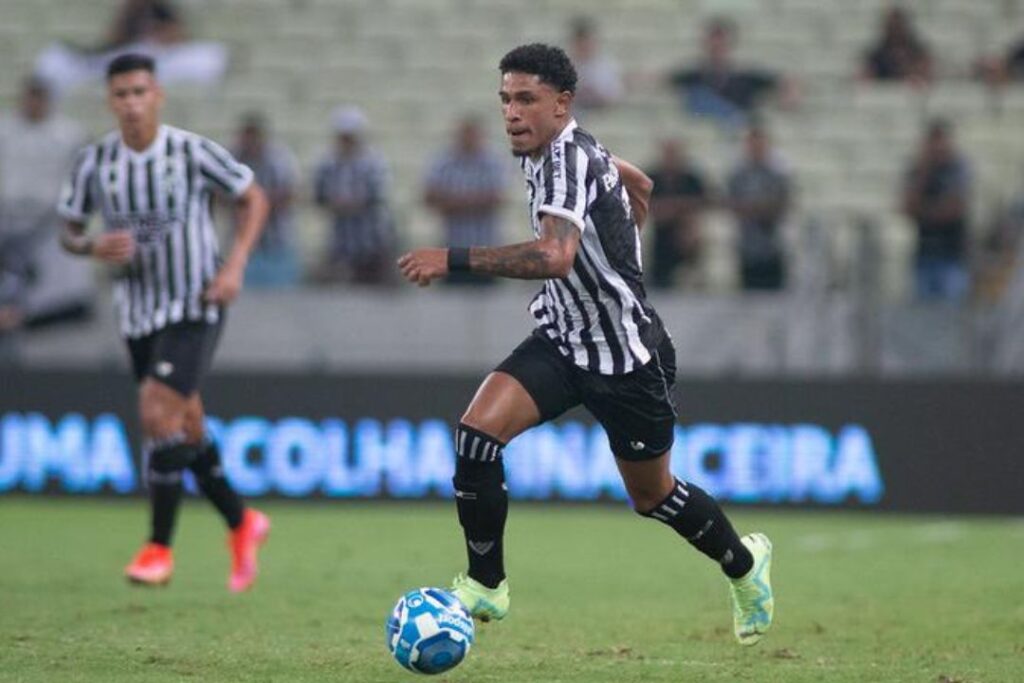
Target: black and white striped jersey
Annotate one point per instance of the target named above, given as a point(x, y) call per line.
point(598, 315)
point(163, 195)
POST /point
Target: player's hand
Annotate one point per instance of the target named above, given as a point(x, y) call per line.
point(117, 247)
point(225, 286)
point(423, 266)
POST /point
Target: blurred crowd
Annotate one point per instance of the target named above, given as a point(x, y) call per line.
point(467, 180)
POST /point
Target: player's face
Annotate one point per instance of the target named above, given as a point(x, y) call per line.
point(135, 98)
point(534, 112)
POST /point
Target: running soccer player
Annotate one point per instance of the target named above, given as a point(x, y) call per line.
point(597, 342)
point(153, 185)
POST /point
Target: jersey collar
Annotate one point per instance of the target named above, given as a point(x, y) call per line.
point(565, 134)
point(158, 143)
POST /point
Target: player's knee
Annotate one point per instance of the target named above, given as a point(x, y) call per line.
point(194, 428)
point(170, 456)
point(160, 416)
point(478, 461)
point(481, 420)
point(158, 421)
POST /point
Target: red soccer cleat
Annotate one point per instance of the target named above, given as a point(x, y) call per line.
point(244, 542)
point(152, 566)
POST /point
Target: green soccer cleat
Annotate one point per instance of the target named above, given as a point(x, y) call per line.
point(483, 603)
point(752, 600)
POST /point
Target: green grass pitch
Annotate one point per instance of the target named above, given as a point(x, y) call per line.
point(598, 594)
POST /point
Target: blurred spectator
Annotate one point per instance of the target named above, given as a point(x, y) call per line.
point(900, 54)
point(13, 281)
point(275, 261)
point(759, 193)
point(151, 27)
point(680, 197)
point(465, 185)
point(998, 70)
point(352, 185)
point(41, 282)
point(716, 87)
point(999, 257)
point(936, 196)
point(599, 77)
point(144, 21)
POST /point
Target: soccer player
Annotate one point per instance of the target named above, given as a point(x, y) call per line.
point(597, 342)
point(153, 185)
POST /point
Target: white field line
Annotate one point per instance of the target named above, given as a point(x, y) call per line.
point(863, 539)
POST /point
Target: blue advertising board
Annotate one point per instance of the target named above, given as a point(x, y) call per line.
point(864, 444)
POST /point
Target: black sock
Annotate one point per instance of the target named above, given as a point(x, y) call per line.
point(482, 502)
point(695, 516)
point(167, 458)
point(211, 481)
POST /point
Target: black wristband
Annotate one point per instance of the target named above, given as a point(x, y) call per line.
point(458, 259)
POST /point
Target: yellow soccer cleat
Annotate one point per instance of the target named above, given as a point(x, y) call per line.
point(481, 602)
point(752, 601)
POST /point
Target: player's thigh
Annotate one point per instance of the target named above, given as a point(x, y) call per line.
point(531, 386)
point(502, 408)
point(637, 410)
point(182, 355)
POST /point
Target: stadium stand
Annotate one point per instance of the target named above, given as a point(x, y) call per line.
point(415, 65)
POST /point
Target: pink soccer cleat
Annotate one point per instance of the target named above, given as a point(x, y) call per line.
point(244, 542)
point(151, 566)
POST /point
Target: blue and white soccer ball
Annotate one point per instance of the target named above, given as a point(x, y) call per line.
point(429, 631)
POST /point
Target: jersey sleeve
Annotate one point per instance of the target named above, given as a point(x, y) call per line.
point(76, 201)
point(565, 183)
point(223, 171)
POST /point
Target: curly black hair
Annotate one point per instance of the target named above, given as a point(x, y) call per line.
point(549, 63)
point(130, 62)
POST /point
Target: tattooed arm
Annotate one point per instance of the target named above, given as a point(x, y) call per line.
point(549, 256)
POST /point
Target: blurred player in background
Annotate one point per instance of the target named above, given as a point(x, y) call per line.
point(598, 342)
point(153, 185)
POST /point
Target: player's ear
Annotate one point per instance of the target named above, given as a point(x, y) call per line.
point(562, 103)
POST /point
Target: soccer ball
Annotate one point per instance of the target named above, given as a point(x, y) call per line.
point(429, 631)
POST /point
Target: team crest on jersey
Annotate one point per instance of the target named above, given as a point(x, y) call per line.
point(557, 154)
point(146, 228)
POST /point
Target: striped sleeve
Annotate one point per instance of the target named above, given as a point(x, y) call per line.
point(219, 169)
point(565, 183)
point(76, 197)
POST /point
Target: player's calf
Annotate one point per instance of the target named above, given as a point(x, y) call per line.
point(167, 458)
point(153, 564)
point(482, 502)
point(209, 475)
point(696, 516)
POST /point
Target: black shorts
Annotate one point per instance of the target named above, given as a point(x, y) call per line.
point(636, 409)
point(178, 355)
